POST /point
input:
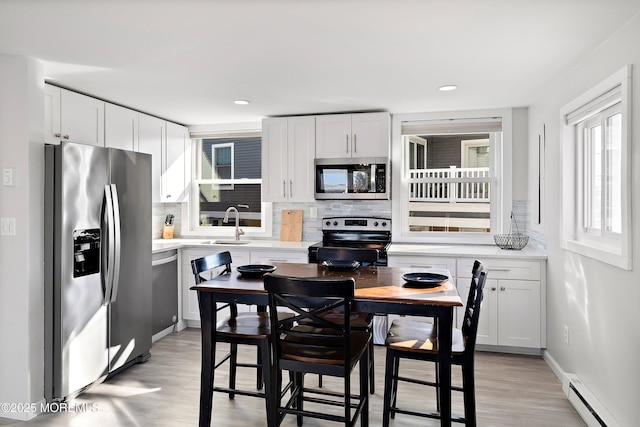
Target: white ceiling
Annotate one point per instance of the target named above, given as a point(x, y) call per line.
point(187, 60)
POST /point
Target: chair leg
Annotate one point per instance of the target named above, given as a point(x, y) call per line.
point(365, 368)
point(372, 379)
point(299, 380)
point(233, 365)
point(259, 370)
point(469, 394)
point(394, 395)
point(437, 365)
point(270, 395)
point(389, 379)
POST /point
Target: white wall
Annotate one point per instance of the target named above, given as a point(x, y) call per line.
point(598, 302)
point(21, 256)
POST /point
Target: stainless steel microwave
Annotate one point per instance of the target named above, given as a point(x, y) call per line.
point(361, 178)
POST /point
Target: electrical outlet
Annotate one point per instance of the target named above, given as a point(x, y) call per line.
point(566, 334)
point(8, 226)
point(313, 212)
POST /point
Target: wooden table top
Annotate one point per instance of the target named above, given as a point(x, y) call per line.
point(383, 284)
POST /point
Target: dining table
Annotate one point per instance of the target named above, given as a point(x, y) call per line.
point(378, 290)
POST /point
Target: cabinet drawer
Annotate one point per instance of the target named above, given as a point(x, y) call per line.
point(502, 268)
point(259, 257)
point(423, 262)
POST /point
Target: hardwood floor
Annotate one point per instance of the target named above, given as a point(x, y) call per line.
point(511, 391)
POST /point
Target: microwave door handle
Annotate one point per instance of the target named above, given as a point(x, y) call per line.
point(373, 179)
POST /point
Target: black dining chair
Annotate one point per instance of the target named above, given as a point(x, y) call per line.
point(362, 321)
point(310, 342)
point(419, 341)
point(245, 328)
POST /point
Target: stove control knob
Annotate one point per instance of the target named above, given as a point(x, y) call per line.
point(335, 223)
point(384, 224)
point(328, 223)
point(375, 224)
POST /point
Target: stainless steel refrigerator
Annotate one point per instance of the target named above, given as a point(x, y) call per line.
point(97, 264)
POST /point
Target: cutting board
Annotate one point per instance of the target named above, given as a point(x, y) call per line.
point(291, 225)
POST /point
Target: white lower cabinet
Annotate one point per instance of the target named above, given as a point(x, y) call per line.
point(512, 311)
point(190, 310)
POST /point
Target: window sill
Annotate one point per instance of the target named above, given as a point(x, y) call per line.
point(614, 258)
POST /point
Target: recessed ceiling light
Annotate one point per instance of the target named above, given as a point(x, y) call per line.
point(241, 102)
point(447, 88)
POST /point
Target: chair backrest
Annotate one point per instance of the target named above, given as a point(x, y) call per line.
point(309, 299)
point(211, 262)
point(366, 256)
point(472, 309)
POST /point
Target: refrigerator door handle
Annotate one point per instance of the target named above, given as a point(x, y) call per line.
point(108, 255)
point(117, 243)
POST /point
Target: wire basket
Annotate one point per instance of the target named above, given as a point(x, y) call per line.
point(514, 241)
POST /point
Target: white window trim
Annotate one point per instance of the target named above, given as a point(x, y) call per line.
point(501, 192)
point(619, 255)
point(192, 228)
point(228, 183)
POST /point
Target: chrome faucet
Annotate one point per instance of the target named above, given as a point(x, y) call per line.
point(239, 231)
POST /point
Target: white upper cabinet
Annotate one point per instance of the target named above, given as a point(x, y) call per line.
point(353, 135)
point(70, 116)
point(52, 133)
point(151, 140)
point(81, 118)
point(174, 180)
point(288, 147)
point(120, 127)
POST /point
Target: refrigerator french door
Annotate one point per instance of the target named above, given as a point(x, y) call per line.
point(97, 264)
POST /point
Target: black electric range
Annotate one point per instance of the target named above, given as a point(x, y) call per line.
point(354, 232)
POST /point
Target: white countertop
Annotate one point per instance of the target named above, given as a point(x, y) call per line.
point(490, 251)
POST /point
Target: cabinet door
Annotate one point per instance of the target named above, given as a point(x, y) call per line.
point(274, 160)
point(52, 133)
point(519, 313)
point(190, 309)
point(174, 189)
point(301, 150)
point(488, 323)
point(151, 136)
point(81, 118)
point(370, 135)
point(333, 136)
point(120, 127)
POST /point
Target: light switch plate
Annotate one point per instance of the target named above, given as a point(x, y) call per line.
point(8, 226)
point(7, 177)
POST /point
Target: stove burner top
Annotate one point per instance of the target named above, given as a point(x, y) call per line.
point(354, 232)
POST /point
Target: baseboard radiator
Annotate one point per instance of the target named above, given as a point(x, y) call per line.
point(587, 405)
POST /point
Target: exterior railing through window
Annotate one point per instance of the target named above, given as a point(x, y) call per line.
point(453, 185)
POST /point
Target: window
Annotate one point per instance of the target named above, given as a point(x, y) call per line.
point(228, 173)
point(450, 176)
point(596, 179)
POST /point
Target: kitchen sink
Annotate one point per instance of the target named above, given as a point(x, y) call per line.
point(226, 242)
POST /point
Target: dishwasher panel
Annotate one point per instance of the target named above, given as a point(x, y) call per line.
point(165, 290)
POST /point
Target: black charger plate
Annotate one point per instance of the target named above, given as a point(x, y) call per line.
point(424, 280)
point(254, 270)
